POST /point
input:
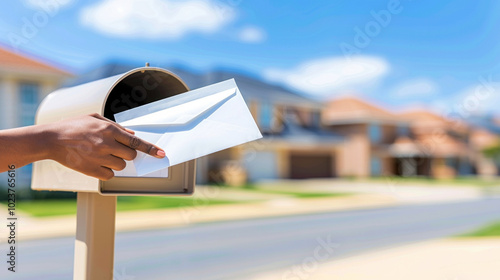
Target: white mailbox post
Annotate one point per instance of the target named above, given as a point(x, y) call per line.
point(96, 200)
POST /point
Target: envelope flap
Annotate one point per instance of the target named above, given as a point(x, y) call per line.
point(180, 114)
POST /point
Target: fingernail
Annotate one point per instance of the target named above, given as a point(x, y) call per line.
point(129, 131)
point(160, 153)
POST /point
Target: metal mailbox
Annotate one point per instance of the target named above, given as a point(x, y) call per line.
point(108, 97)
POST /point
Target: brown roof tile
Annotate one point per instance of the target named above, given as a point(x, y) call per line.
point(424, 120)
point(354, 109)
point(9, 59)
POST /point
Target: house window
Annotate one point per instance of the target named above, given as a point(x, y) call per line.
point(266, 116)
point(452, 162)
point(315, 119)
point(375, 166)
point(403, 130)
point(375, 133)
point(28, 97)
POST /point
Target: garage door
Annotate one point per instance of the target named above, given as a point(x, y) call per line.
point(261, 165)
point(310, 166)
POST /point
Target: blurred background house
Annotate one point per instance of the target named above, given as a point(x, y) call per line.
point(412, 143)
point(24, 82)
point(443, 143)
point(303, 138)
point(369, 131)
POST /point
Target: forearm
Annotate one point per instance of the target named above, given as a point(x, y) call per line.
point(90, 144)
point(22, 146)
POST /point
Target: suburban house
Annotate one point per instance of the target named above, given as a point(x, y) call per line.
point(294, 145)
point(370, 133)
point(413, 143)
point(24, 82)
point(444, 143)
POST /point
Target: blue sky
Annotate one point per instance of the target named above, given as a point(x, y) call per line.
point(438, 54)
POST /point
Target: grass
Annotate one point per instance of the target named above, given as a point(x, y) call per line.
point(310, 195)
point(47, 207)
point(127, 203)
point(491, 230)
point(55, 207)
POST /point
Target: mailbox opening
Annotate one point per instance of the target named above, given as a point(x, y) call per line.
point(140, 88)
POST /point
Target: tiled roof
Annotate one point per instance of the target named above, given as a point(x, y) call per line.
point(351, 110)
point(425, 120)
point(15, 61)
point(423, 115)
point(442, 145)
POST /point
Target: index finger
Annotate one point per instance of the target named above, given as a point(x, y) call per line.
point(137, 143)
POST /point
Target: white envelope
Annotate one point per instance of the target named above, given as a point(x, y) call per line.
point(189, 126)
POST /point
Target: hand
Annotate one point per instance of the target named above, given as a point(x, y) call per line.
point(94, 145)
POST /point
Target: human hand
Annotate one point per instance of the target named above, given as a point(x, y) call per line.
point(94, 145)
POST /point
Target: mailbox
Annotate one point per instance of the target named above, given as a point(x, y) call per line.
point(108, 97)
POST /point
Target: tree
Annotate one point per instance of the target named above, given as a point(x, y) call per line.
point(493, 152)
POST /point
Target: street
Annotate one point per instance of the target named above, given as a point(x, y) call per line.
point(240, 249)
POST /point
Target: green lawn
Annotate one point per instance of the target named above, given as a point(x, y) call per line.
point(54, 207)
point(126, 203)
point(47, 207)
point(487, 231)
point(312, 195)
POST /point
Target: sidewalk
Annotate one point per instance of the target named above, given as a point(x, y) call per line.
point(258, 205)
point(404, 192)
point(37, 228)
point(447, 259)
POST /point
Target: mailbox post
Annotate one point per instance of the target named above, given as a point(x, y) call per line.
point(95, 236)
point(96, 200)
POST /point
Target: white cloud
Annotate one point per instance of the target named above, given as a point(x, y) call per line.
point(481, 98)
point(156, 18)
point(47, 5)
point(329, 75)
point(415, 88)
point(252, 34)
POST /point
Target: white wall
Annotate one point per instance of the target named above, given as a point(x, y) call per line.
point(10, 115)
point(202, 170)
point(10, 105)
